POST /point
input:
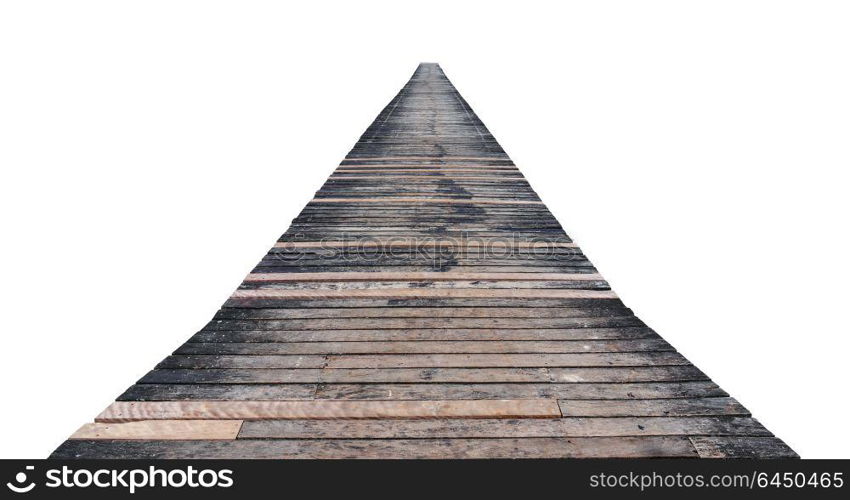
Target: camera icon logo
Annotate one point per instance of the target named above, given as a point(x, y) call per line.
point(20, 479)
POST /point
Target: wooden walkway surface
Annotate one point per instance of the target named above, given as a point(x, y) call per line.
point(425, 304)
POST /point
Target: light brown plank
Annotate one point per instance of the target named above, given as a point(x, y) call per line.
point(161, 429)
point(123, 411)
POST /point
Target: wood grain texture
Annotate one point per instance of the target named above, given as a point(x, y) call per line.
point(252, 410)
point(598, 447)
point(446, 276)
point(502, 428)
point(161, 429)
point(423, 292)
point(424, 243)
point(742, 447)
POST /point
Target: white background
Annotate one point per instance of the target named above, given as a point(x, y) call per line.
point(151, 153)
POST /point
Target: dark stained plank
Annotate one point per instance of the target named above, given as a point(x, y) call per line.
point(500, 360)
point(423, 375)
point(432, 334)
point(596, 391)
point(467, 293)
point(598, 447)
point(742, 447)
point(124, 411)
point(420, 312)
point(161, 429)
point(502, 428)
point(422, 323)
point(427, 347)
point(653, 408)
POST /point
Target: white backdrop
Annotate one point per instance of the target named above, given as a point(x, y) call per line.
point(153, 151)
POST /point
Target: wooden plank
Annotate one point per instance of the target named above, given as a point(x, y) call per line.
point(502, 428)
point(225, 362)
point(469, 391)
point(401, 242)
point(421, 312)
point(742, 447)
point(480, 324)
point(444, 201)
point(222, 376)
point(432, 334)
point(161, 429)
point(260, 303)
point(188, 392)
point(390, 375)
point(437, 286)
point(500, 360)
point(424, 292)
point(426, 347)
point(653, 408)
point(354, 158)
point(446, 276)
point(356, 175)
point(597, 447)
point(253, 410)
point(425, 304)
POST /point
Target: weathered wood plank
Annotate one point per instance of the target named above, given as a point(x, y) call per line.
point(432, 334)
point(425, 375)
point(598, 447)
point(425, 304)
point(653, 408)
point(574, 391)
point(187, 392)
point(253, 410)
point(742, 447)
point(447, 276)
point(161, 429)
point(502, 428)
point(423, 323)
point(387, 286)
point(426, 347)
point(243, 362)
point(424, 243)
point(424, 292)
point(503, 360)
point(444, 201)
point(276, 303)
point(422, 312)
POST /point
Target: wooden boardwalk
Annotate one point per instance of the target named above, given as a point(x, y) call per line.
point(425, 304)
